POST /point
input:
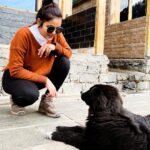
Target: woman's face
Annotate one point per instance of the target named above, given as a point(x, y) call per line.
point(56, 22)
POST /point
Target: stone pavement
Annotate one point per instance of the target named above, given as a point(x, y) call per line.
point(26, 132)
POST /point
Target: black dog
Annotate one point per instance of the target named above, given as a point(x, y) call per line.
point(109, 126)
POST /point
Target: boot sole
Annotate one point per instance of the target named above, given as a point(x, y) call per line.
point(48, 114)
point(20, 113)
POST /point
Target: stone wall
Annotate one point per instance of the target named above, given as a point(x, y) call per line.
point(4, 55)
point(11, 20)
point(82, 75)
point(87, 70)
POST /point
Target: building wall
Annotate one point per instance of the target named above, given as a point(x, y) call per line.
point(122, 40)
point(126, 40)
point(84, 6)
point(80, 29)
point(11, 20)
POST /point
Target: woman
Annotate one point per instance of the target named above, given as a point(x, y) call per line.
point(39, 58)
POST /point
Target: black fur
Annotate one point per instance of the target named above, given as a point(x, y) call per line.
point(109, 126)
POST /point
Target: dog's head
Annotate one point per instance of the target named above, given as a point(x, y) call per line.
point(102, 98)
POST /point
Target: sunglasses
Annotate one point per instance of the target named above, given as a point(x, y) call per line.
point(51, 29)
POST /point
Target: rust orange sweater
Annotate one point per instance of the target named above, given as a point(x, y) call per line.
point(24, 62)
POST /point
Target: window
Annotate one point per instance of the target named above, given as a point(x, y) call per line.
point(130, 9)
point(124, 10)
point(19, 4)
point(138, 8)
point(77, 2)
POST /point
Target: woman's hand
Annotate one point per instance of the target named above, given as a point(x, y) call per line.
point(51, 88)
point(46, 49)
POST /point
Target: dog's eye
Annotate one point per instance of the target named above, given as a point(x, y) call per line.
point(90, 93)
point(96, 91)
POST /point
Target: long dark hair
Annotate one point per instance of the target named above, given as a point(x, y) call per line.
point(48, 11)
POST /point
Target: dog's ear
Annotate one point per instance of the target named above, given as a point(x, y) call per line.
point(105, 103)
point(101, 103)
point(110, 99)
point(114, 105)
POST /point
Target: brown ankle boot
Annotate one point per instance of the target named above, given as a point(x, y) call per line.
point(16, 110)
point(47, 107)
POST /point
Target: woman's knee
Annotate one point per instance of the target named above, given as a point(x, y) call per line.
point(25, 99)
point(65, 62)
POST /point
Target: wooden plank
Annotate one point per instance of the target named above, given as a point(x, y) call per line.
point(66, 8)
point(148, 29)
point(100, 26)
point(130, 9)
point(148, 7)
point(38, 4)
point(114, 11)
point(148, 37)
point(60, 4)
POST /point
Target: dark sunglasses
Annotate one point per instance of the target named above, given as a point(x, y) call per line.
point(51, 29)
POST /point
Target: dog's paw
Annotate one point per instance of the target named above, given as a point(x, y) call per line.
point(45, 133)
point(48, 135)
point(61, 128)
point(57, 136)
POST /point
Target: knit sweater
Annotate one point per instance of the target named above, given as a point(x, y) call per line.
point(24, 62)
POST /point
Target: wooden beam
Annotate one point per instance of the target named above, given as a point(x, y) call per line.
point(64, 5)
point(66, 8)
point(38, 5)
point(114, 11)
point(148, 29)
point(100, 26)
point(148, 8)
point(129, 9)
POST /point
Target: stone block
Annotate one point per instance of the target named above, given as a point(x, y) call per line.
point(122, 76)
point(131, 77)
point(88, 78)
point(108, 78)
point(143, 86)
point(119, 86)
point(74, 77)
point(87, 86)
point(139, 77)
point(104, 69)
point(146, 77)
point(71, 88)
point(67, 80)
point(131, 85)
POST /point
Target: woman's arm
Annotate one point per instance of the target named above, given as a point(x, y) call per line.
point(18, 50)
point(62, 47)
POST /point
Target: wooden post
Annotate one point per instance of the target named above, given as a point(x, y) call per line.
point(38, 4)
point(115, 11)
point(100, 26)
point(148, 29)
point(130, 9)
point(148, 7)
point(66, 7)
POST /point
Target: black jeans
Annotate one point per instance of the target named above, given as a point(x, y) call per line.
point(25, 92)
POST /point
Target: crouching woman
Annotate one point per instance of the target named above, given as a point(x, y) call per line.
point(39, 58)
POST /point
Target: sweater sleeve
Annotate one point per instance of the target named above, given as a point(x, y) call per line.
point(62, 47)
point(18, 49)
